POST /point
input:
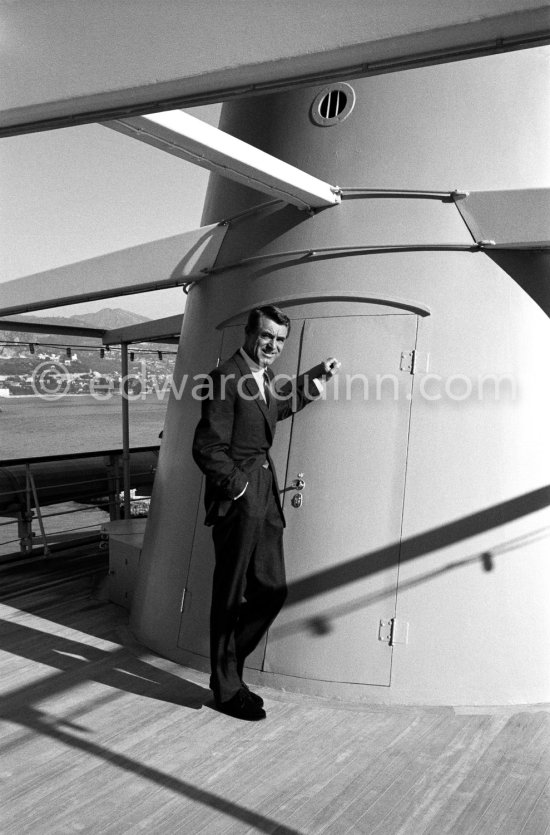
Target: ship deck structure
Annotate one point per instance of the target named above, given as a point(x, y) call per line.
point(372, 176)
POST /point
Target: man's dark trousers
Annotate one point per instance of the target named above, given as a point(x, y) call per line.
point(248, 543)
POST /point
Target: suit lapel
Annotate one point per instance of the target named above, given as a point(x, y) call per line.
point(254, 393)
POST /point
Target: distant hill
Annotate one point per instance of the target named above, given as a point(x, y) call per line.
point(107, 318)
point(111, 318)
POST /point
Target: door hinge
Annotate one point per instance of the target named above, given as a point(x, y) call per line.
point(413, 361)
point(184, 592)
point(393, 631)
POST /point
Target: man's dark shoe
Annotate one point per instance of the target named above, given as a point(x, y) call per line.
point(254, 696)
point(242, 706)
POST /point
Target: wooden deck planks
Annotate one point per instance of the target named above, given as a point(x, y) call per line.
point(303, 766)
point(538, 819)
point(377, 797)
point(487, 789)
point(424, 778)
point(359, 773)
point(100, 736)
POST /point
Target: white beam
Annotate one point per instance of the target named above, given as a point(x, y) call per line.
point(154, 330)
point(168, 262)
point(88, 61)
point(191, 139)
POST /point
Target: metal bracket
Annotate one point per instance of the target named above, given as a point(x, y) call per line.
point(393, 631)
point(413, 361)
point(385, 630)
point(407, 361)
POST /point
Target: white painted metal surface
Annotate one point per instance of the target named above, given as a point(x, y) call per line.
point(474, 540)
point(512, 219)
point(81, 61)
point(191, 139)
point(165, 263)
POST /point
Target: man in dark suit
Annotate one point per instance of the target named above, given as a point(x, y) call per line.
point(231, 446)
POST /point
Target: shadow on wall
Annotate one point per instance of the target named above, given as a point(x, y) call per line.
point(416, 546)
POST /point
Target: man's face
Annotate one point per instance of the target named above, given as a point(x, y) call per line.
point(265, 345)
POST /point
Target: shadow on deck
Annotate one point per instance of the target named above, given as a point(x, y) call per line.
point(102, 736)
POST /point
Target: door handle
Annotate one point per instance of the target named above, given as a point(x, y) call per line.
point(298, 483)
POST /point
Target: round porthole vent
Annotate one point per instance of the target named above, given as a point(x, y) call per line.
point(333, 104)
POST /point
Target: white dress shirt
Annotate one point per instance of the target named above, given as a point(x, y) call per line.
point(257, 371)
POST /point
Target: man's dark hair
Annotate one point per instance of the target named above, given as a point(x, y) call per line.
point(270, 312)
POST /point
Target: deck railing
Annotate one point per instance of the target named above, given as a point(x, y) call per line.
point(92, 480)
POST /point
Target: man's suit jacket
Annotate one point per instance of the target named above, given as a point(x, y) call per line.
point(236, 430)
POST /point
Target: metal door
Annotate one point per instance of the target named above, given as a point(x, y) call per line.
point(344, 526)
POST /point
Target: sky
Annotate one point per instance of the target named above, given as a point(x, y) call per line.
point(79, 192)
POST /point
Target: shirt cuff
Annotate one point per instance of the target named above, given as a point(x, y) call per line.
point(241, 493)
point(318, 385)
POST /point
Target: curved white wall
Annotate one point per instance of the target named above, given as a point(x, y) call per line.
point(472, 580)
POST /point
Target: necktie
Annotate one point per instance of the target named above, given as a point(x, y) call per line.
point(267, 390)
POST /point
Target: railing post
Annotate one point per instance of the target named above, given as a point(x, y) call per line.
point(24, 531)
point(125, 428)
point(30, 484)
point(24, 522)
point(113, 481)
